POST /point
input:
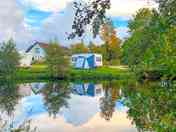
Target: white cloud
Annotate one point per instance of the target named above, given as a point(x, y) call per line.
point(46, 5)
point(126, 8)
point(118, 7)
point(57, 26)
point(12, 23)
point(12, 19)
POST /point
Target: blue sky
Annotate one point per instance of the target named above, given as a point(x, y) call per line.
point(28, 20)
point(34, 17)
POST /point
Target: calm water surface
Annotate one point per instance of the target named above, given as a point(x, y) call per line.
point(108, 106)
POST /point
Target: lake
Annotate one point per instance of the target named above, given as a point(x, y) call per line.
point(106, 106)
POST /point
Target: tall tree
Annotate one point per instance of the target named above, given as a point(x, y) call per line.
point(112, 48)
point(151, 46)
point(58, 64)
point(9, 58)
point(135, 46)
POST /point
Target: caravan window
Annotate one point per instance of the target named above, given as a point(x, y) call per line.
point(74, 59)
point(98, 59)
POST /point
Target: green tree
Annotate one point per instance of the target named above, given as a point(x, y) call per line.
point(79, 48)
point(9, 59)
point(151, 46)
point(135, 46)
point(140, 20)
point(57, 62)
point(168, 10)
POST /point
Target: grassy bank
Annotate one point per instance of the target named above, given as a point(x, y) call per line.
point(100, 73)
point(39, 72)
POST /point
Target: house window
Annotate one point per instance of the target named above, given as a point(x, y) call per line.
point(37, 50)
point(98, 59)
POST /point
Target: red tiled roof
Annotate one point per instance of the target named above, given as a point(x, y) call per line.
point(43, 45)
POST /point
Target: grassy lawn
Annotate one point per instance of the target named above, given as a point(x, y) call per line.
point(100, 73)
point(35, 72)
point(40, 72)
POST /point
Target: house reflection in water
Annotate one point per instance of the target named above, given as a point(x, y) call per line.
point(87, 89)
point(25, 90)
point(83, 89)
point(29, 89)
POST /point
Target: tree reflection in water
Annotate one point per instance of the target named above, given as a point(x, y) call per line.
point(56, 95)
point(152, 106)
point(8, 96)
point(107, 103)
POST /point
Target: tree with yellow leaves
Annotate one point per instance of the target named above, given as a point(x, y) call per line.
point(79, 48)
point(112, 48)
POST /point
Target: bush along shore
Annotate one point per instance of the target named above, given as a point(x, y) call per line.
point(38, 72)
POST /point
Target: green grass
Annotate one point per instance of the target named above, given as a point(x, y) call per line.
point(33, 73)
point(100, 73)
point(40, 72)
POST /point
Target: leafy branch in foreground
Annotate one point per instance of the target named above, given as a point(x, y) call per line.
point(92, 13)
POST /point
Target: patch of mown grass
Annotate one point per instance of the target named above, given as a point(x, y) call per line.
point(33, 73)
point(100, 73)
point(103, 73)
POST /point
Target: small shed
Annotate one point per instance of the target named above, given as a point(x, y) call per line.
point(86, 60)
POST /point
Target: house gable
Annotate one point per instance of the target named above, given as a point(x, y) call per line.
point(37, 50)
point(41, 45)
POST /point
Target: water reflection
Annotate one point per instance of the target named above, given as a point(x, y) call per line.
point(152, 106)
point(87, 107)
point(108, 101)
point(87, 89)
point(9, 97)
point(56, 96)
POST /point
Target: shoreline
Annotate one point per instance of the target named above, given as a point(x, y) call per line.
point(103, 73)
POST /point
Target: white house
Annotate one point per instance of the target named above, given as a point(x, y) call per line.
point(37, 50)
point(25, 59)
point(87, 60)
